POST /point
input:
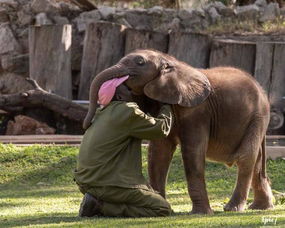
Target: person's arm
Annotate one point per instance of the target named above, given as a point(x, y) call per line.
point(144, 126)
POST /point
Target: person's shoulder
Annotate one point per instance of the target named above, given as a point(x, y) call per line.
point(123, 106)
point(121, 112)
point(134, 109)
point(132, 105)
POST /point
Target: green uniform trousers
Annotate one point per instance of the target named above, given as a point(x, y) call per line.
point(129, 202)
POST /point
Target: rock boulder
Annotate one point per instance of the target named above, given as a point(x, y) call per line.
point(271, 12)
point(24, 125)
point(8, 42)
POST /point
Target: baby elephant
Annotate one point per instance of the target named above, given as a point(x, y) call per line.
point(221, 114)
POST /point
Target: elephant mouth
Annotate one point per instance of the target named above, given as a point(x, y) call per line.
point(125, 84)
point(132, 76)
point(133, 89)
point(134, 92)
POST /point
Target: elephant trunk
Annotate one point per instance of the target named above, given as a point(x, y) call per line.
point(115, 71)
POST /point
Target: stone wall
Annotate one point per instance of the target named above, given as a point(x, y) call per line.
point(189, 20)
point(15, 18)
point(17, 15)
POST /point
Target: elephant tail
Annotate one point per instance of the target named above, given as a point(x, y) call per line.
point(263, 158)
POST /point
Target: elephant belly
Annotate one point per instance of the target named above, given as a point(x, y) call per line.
point(227, 130)
point(222, 151)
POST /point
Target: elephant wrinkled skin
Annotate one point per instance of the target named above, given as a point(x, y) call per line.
point(221, 114)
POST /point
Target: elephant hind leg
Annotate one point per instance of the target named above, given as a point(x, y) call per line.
point(246, 159)
point(260, 183)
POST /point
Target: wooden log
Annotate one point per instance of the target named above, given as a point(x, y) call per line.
point(263, 64)
point(191, 48)
point(240, 54)
point(277, 86)
point(38, 97)
point(50, 58)
point(140, 39)
point(53, 102)
point(103, 47)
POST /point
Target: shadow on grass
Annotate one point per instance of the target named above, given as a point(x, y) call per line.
point(178, 220)
point(72, 219)
point(184, 198)
point(248, 213)
point(60, 172)
point(51, 218)
point(10, 205)
point(54, 192)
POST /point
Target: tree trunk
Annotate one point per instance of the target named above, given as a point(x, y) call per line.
point(263, 64)
point(103, 47)
point(191, 48)
point(138, 39)
point(240, 54)
point(50, 58)
point(277, 88)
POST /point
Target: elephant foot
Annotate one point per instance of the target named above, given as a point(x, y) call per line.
point(234, 207)
point(205, 211)
point(263, 199)
point(261, 206)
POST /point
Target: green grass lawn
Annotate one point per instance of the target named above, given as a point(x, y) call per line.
point(37, 190)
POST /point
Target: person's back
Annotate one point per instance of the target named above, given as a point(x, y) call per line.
point(107, 146)
point(109, 167)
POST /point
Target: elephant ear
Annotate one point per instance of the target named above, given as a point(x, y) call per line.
point(188, 87)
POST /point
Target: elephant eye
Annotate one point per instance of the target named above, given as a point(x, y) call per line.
point(140, 60)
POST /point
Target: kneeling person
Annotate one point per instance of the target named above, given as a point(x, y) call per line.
point(109, 166)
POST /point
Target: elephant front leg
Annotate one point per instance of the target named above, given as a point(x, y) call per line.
point(193, 154)
point(160, 154)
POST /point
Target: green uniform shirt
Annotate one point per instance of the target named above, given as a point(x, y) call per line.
point(110, 152)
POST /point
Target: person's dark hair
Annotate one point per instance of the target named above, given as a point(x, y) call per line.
point(115, 97)
point(122, 93)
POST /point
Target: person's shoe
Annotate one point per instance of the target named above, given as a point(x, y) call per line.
point(90, 206)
